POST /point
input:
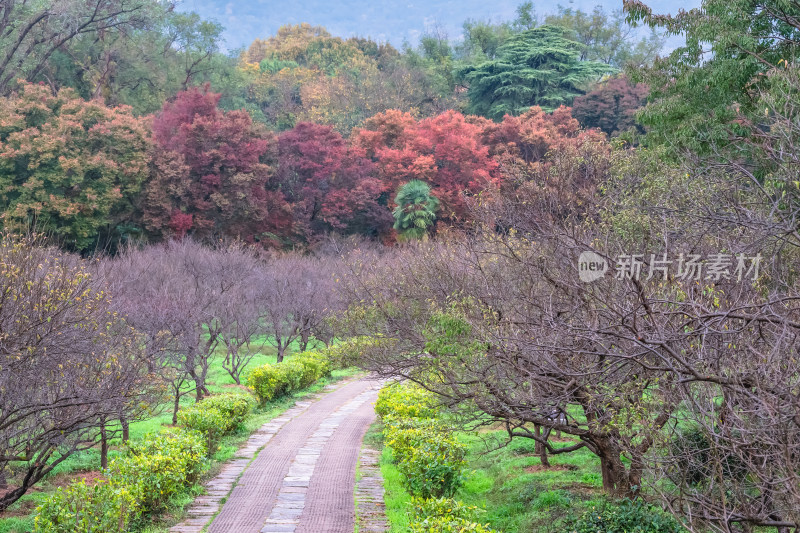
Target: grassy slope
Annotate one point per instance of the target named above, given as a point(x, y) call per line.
point(18, 518)
point(510, 483)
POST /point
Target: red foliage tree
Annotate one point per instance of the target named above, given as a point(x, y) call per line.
point(611, 106)
point(547, 160)
point(530, 136)
point(446, 151)
point(210, 173)
point(328, 184)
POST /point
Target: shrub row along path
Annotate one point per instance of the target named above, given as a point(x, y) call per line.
point(297, 474)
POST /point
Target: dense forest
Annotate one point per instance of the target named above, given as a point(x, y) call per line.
point(551, 230)
point(158, 134)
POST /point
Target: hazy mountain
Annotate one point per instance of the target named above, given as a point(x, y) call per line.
point(393, 21)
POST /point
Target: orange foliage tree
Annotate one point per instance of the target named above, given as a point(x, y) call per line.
point(70, 167)
point(446, 151)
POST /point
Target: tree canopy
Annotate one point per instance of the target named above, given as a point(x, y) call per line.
point(539, 67)
point(702, 87)
point(70, 167)
point(416, 209)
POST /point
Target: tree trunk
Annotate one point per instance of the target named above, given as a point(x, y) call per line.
point(176, 406)
point(281, 350)
point(233, 356)
point(616, 480)
point(37, 469)
point(103, 447)
point(126, 430)
point(200, 384)
point(539, 448)
point(10, 497)
point(305, 336)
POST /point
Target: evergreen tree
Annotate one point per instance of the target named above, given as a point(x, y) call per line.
point(416, 209)
point(540, 67)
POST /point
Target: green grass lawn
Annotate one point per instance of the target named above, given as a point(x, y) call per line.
point(18, 518)
point(522, 496)
point(509, 482)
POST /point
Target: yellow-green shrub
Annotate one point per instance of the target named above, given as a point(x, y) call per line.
point(101, 508)
point(270, 382)
point(431, 461)
point(175, 442)
point(427, 454)
point(402, 435)
point(294, 374)
point(445, 515)
point(154, 470)
point(448, 525)
point(158, 468)
point(316, 366)
point(235, 406)
point(209, 421)
point(404, 401)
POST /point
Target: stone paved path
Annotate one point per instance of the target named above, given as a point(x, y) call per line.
point(297, 473)
point(370, 508)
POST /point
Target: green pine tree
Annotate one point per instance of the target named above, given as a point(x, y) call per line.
point(537, 67)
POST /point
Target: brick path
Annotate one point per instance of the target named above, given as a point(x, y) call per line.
point(296, 474)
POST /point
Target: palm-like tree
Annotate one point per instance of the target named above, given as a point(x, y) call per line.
point(416, 209)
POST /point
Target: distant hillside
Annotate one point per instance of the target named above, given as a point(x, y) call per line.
point(392, 21)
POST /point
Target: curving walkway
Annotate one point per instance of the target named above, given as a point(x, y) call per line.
point(297, 473)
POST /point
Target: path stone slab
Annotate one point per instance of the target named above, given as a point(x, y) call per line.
point(289, 506)
point(205, 507)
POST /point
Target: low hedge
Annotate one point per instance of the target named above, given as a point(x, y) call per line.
point(235, 406)
point(433, 464)
point(406, 401)
point(428, 456)
point(101, 508)
point(448, 525)
point(174, 442)
point(160, 466)
point(445, 515)
point(270, 382)
point(142, 481)
point(216, 416)
point(211, 423)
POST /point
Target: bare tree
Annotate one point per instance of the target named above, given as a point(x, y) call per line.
point(152, 294)
point(295, 292)
point(237, 309)
point(239, 321)
point(68, 363)
point(683, 384)
point(480, 324)
point(172, 293)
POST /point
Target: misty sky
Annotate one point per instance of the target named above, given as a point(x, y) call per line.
point(394, 21)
